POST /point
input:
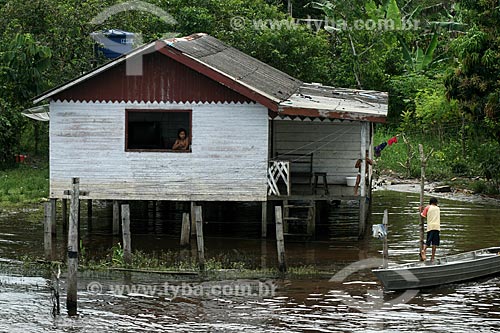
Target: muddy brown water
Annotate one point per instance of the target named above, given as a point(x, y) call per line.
point(159, 303)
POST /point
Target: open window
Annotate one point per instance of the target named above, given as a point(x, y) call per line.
point(156, 130)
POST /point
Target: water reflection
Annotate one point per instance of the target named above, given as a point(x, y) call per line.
point(311, 305)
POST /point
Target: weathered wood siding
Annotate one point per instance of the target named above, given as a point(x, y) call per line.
point(228, 159)
point(336, 146)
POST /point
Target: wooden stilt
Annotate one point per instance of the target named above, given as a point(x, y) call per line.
point(47, 235)
point(116, 218)
point(193, 219)
point(89, 215)
point(79, 237)
point(362, 216)
point(185, 230)
point(127, 246)
point(263, 254)
point(285, 213)
point(53, 210)
point(362, 182)
point(264, 220)
point(71, 299)
point(280, 240)
point(311, 218)
point(64, 214)
point(199, 237)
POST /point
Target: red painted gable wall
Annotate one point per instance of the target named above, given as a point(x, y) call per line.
point(163, 79)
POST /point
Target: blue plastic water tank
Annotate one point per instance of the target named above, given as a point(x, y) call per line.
point(113, 43)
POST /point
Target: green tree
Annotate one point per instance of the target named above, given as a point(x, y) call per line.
point(22, 65)
point(474, 82)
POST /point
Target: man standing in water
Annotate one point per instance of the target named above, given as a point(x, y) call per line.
point(433, 215)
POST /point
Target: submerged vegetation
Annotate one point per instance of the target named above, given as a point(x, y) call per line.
point(176, 263)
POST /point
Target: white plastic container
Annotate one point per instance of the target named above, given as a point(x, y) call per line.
point(351, 181)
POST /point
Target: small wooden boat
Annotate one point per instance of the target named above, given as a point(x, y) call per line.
point(449, 269)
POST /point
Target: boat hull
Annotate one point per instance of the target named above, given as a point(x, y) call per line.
point(456, 268)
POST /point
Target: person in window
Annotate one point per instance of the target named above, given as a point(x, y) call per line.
point(182, 142)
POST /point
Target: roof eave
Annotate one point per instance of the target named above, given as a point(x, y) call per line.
point(330, 114)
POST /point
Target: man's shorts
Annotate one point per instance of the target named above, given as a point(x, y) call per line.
point(432, 238)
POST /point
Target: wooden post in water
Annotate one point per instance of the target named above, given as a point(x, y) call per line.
point(47, 235)
point(385, 251)
point(423, 160)
point(264, 220)
point(65, 214)
point(116, 217)
point(280, 240)
point(71, 298)
point(199, 237)
point(185, 230)
point(362, 181)
point(127, 245)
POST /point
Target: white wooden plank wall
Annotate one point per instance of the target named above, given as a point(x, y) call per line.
point(335, 145)
point(228, 159)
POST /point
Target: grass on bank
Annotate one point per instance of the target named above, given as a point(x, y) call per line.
point(24, 184)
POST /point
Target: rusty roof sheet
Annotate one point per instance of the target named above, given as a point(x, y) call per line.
point(316, 100)
point(241, 67)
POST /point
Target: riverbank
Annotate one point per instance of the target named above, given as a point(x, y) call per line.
point(458, 189)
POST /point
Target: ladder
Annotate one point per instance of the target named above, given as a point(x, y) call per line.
point(299, 218)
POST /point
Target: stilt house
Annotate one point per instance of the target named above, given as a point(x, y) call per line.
point(255, 133)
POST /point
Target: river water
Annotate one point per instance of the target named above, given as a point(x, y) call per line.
point(161, 303)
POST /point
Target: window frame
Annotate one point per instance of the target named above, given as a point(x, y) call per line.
point(162, 150)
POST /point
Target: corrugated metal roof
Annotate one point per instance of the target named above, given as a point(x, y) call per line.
point(238, 65)
point(315, 100)
point(255, 80)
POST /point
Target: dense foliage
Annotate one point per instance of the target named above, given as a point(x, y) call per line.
point(439, 60)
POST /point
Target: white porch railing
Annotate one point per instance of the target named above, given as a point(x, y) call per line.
point(278, 173)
